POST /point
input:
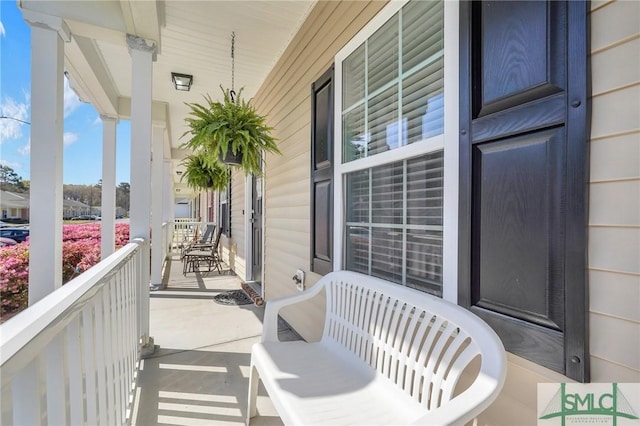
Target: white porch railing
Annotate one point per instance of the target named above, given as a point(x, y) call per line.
point(167, 238)
point(72, 358)
point(184, 230)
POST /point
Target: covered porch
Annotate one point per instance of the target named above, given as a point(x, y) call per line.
point(119, 56)
point(200, 374)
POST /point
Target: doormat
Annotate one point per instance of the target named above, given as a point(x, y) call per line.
point(233, 297)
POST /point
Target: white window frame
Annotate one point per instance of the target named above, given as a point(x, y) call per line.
point(448, 141)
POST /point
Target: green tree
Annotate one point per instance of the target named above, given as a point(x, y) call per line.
point(122, 195)
point(10, 180)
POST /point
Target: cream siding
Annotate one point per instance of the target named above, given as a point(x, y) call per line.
point(285, 99)
point(614, 205)
point(614, 224)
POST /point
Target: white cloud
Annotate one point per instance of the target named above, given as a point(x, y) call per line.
point(12, 129)
point(68, 138)
point(25, 150)
point(2, 31)
point(13, 165)
point(71, 100)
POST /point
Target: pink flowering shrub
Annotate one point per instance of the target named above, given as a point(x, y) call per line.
point(80, 251)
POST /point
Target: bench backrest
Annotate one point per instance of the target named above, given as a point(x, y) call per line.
point(418, 341)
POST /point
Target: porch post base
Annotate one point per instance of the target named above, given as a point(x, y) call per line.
point(156, 287)
point(148, 349)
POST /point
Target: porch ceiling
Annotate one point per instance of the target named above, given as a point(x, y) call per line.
point(193, 37)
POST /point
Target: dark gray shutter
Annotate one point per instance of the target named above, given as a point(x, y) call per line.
point(523, 177)
point(322, 174)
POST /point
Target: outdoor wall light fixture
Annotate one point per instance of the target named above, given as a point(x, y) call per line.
point(179, 172)
point(182, 82)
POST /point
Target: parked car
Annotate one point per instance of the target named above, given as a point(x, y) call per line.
point(16, 234)
point(7, 242)
point(86, 217)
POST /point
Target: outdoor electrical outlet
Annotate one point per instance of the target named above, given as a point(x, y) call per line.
point(299, 279)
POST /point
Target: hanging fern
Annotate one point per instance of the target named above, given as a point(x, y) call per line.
point(202, 173)
point(233, 124)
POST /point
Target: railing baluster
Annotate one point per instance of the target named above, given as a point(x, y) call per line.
point(26, 395)
point(76, 369)
point(56, 381)
point(101, 365)
point(115, 348)
point(108, 355)
point(88, 328)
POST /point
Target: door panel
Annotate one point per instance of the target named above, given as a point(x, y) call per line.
point(523, 175)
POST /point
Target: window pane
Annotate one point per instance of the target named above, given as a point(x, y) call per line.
point(353, 78)
point(357, 254)
point(353, 135)
point(383, 55)
point(424, 190)
point(383, 122)
point(387, 194)
point(424, 260)
point(423, 103)
point(358, 197)
point(386, 254)
point(422, 32)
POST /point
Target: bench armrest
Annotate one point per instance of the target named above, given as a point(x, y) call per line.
point(270, 321)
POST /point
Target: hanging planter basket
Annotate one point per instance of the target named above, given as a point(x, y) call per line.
point(232, 125)
point(201, 173)
point(231, 159)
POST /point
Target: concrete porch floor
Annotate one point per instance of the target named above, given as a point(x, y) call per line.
point(200, 374)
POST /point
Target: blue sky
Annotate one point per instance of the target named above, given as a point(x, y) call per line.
point(82, 124)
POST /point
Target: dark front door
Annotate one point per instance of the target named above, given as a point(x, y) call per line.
point(523, 174)
point(256, 229)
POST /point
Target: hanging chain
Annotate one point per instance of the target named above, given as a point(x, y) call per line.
point(233, 65)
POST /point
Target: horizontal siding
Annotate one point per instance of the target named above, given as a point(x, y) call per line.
point(615, 202)
point(623, 76)
point(615, 158)
point(613, 24)
point(615, 294)
point(517, 403)
point(617, 341)
point(614, 249)
point(614, 192)
point(285, 98)
point(616, 113)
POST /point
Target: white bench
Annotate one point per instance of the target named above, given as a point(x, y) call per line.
point(389, 355)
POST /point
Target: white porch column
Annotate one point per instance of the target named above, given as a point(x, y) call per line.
point(47, 66)
point(168, 212)
point(142, 57)
point(108, 226)
point(157, 196)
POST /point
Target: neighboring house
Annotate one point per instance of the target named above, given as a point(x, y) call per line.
point(14, 205)
point(73, 208)
point(484, 152)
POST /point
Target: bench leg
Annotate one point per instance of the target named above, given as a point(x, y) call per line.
point(254, 378)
